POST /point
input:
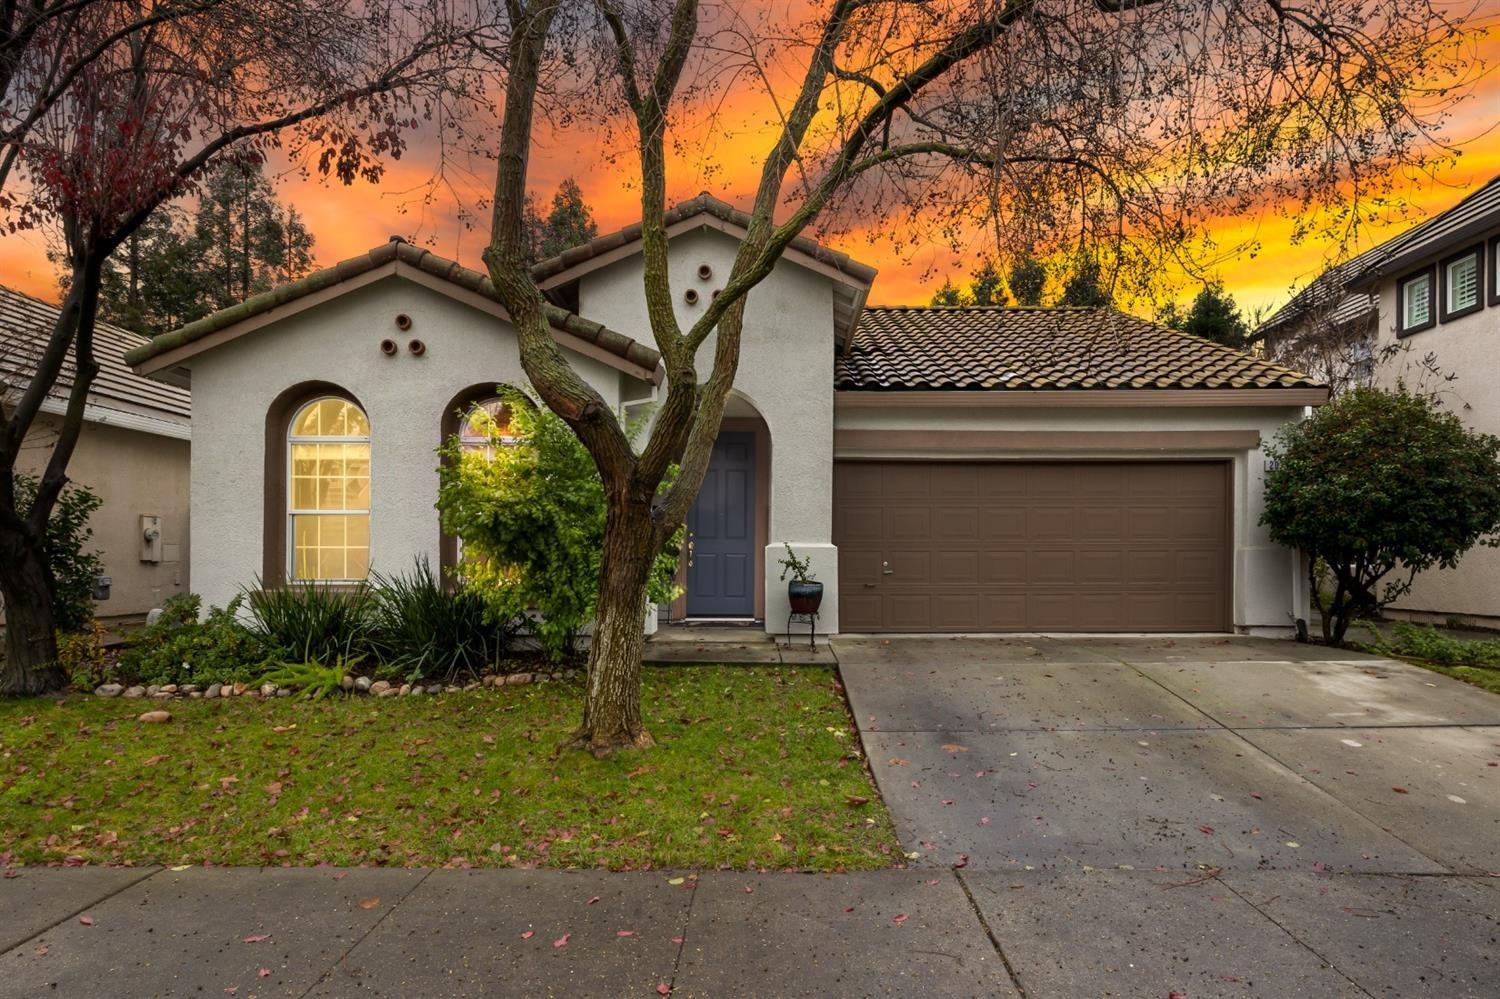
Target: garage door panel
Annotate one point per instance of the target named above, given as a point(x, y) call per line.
point(1003, 566)
point(1032, 546)
point(906, 522)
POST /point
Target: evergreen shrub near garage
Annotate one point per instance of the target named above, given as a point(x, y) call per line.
point(1379, 485)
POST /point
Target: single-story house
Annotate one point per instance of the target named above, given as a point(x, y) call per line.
point(1423, 309)
point(946, 470)
point(133, 453)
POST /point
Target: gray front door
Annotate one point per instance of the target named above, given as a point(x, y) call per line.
point(721, 528)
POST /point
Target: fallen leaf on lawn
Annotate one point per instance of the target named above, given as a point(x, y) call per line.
point(900, 918)
point(561, 941)
point(856, 800)
point(281, 729)
point(257, 938)
point(369, 903)
point(86, 920)
point(624, 933)
point(1400, 790)
point(528, 934)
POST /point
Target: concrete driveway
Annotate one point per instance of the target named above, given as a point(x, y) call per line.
point(1134, 815)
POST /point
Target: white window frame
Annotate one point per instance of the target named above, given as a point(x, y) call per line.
point(1449, 310)
point(1403, 301)
point(292, 512)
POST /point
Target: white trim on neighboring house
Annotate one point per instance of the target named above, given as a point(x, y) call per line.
point(105, 416)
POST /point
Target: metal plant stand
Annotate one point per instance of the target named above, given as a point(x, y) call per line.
point(812, 627)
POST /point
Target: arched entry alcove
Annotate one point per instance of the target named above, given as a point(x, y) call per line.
point(722, 573)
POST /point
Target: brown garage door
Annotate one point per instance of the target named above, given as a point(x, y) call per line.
point(1032, 546)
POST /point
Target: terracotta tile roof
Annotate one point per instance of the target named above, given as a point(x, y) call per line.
point(941, 348)
point(703, 204)
point(394, 251)
point(25, 326)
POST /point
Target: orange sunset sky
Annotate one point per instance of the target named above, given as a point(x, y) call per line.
point(350, 220)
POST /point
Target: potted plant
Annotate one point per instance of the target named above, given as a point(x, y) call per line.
point(804, 592)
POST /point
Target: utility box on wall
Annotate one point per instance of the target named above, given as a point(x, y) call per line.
point(150, 538)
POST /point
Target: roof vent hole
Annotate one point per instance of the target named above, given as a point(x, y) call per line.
point(417, 348)
point(705, 272)
point(388, 347)
point(403, 321)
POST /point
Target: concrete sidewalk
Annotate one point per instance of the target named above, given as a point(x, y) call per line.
point(326, 932)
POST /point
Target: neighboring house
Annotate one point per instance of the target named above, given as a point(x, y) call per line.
point(1438, 289)
point(946, 470)
point(133, 453)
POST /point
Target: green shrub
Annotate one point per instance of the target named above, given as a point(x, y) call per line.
point(315, 680)
point(73, 569)
point(531, 519)
point(83, 656)
point(314, 622)
point(1414, 641)
point(1380, 485)
point(425, 630)
point(179, 648)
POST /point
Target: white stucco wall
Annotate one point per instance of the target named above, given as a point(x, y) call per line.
point(404, 397)
point(1465, 348)
point(1269, 594)
point(785, 373)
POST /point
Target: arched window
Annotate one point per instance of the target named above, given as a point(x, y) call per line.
point(486, 425)
point(328, 492)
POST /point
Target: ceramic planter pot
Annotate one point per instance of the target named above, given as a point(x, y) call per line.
point(804, 597)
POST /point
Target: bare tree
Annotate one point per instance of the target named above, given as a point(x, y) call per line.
point(110, 108)
point(1106, 126)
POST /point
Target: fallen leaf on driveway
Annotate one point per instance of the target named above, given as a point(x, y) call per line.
point(561, 941)
point(624, 933)
point(984, 821)
point(1400, 790)
point(528, 934)
point(257, 938)
point(369, 903)
point(40, 952)
point(900, 918)
point(593, 900)
point(264, 972)
point(953, 747)
point(663, 989)
point(848, 908)
point(1206, 830)
point(675, 881)
point(897, 761)
point(86, 920)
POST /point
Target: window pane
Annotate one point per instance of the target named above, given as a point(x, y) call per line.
point(1416, 303)
point(331, 547)
point(330, 473)
point(1463, 283)
point(330, 418)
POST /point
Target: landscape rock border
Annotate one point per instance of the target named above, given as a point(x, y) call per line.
point(353, 686)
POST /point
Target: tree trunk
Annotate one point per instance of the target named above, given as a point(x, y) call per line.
point(612, 704)
point(30, 637)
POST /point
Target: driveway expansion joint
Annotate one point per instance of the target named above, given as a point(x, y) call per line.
point(1015, 979)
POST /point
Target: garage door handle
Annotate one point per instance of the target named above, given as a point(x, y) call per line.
point(885, 569)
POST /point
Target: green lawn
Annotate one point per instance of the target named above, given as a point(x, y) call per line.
point(753, 767)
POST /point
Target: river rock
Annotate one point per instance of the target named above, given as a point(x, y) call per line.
point(109, 690)
point(155, 717)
